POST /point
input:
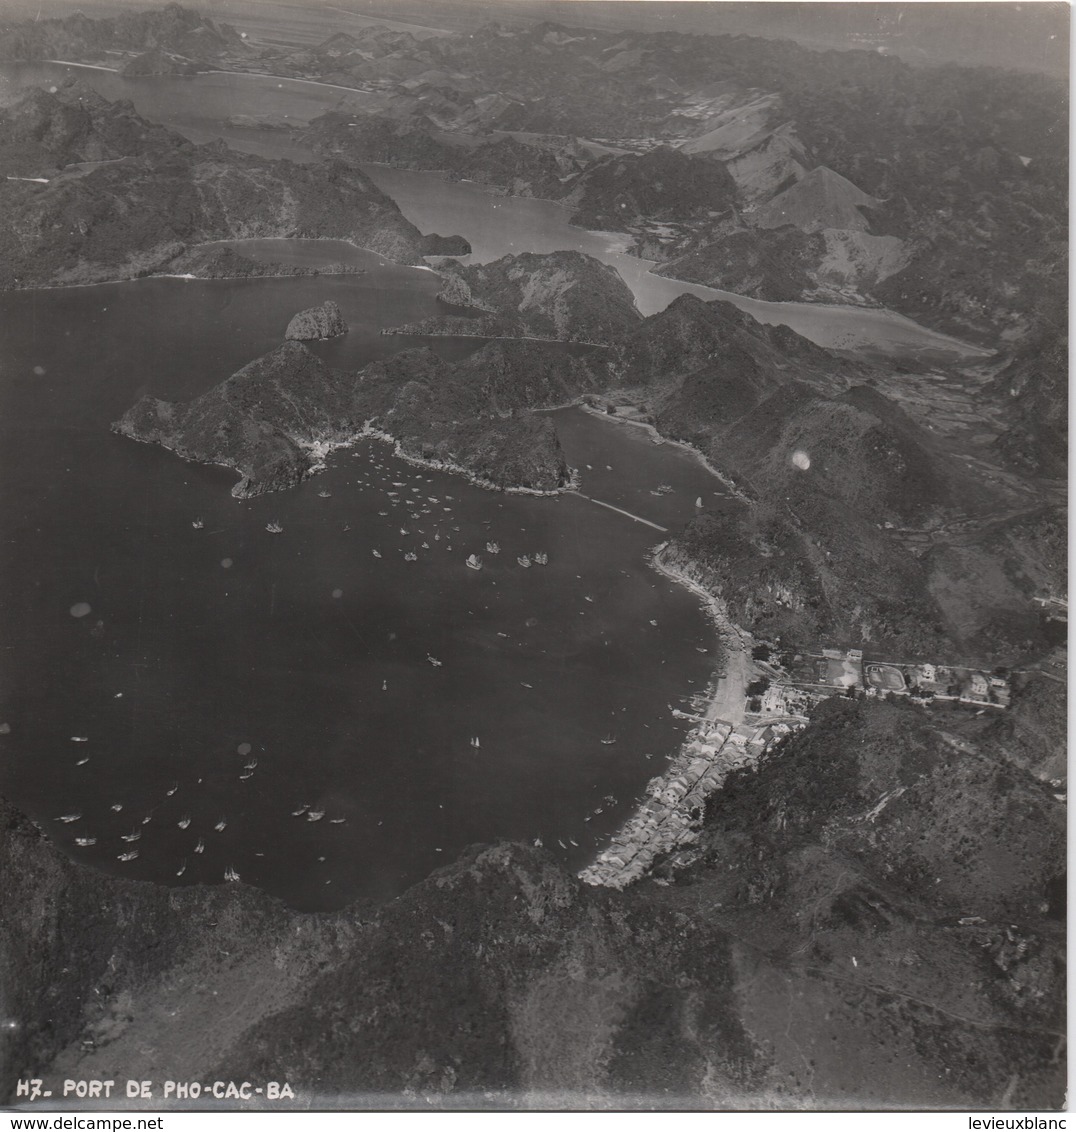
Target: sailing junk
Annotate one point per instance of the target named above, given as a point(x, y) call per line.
point(474, 562)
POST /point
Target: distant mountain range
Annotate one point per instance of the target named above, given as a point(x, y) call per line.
point(690, 144)
point(97, 193)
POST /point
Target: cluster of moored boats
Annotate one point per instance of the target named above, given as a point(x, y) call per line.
point(525, 560)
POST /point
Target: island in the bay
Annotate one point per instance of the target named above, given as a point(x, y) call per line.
point(848, 888)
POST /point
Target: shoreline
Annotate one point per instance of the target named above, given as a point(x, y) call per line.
point(404, 332)
point(665, 820)
point(226, 240)
point(319, 450)
point(683, 445)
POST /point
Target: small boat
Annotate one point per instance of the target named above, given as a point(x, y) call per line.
point(410, 556)
point(220, 825)
point(324, 494)
point(184, 822)
point(377, 553)
point(198, 524)
point(131, 836)
point(541, 558)
point(315, 815)
point(82, 762)
point(698, 502)
point(522, 685)
point(84, 841)
point(117, 806)
point(231, 874)
point(384, 685)
point(493, 548)
point(609, 740)
point(474, 562)
point(251, 764)
point(404, 531)
point(537, 843)
point(66, 818)
point(128, 856)
point(244, 777)
point(174, 788)
point(665, 488)
point(561, 843)
point(299, 812)
point(523, 560)
point(200, 847)
point(337, 821)
point(475, 742)
point(434, 661)
point(586, 598)
point(80, 739)
point(382, 513)
point(147, 819)
point(274, 528)
point(182, 869)
point(654, 623)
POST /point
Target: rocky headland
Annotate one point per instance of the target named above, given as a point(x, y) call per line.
point(323, 321)
point(275, 419)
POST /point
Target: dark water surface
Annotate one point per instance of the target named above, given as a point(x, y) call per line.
point(205, 649)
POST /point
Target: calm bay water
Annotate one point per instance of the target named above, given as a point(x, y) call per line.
point(357, 685)
point(205, 649)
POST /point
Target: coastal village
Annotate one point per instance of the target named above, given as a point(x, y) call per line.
point(761, 696)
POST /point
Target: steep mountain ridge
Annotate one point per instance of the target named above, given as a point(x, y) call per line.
point(564, 295)
point(273, 419)
point(173, 29)
point(861, 524)
point(147, 194)
point(820, 199)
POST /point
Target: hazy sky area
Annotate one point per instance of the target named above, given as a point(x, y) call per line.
point(1027, 36)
